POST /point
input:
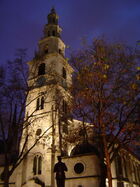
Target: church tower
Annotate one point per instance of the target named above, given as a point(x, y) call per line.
point(48, 99)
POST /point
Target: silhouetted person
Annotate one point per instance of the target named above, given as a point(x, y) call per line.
point(60, 169)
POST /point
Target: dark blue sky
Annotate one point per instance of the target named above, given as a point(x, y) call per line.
point(22, 22)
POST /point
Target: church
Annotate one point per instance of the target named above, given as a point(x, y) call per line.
point(50, 76)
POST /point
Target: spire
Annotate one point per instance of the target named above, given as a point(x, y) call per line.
point(52, 28)
point(53, 10)
point(53, 17)
point(51, 41)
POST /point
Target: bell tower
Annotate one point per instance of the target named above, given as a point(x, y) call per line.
point(51, 42)
point(47, 103)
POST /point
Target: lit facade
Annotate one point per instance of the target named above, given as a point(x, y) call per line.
point(50, 75)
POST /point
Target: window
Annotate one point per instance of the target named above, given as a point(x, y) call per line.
point(53, 20)
point(118, 164)
point(60, 51)
point(125, 167)
point(64, 74)
point(53, 33)
point(49, 33)
point(40, 103)
point(37, 165)
point(37, 104)
point(41, 69)
point(135, 172)
point(38, 132)
point(64, 107)
point(79, 168)
point(46, 51)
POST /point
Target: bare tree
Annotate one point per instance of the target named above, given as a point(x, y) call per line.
point(15, 121)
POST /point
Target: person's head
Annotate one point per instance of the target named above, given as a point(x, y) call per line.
point(59, 158)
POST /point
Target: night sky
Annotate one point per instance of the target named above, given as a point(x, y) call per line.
point(22, 22)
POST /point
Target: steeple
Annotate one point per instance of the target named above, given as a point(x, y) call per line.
point(51, 41)
point(51, 53)
point(52, 28)
point(53, 17)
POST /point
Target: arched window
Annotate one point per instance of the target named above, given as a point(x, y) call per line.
point(118, 164)
point(53, 33)
point(60, 51)
point(41, 69)
point(42, 102)
point(37, 104)
point(64, 74)
point(37, 165)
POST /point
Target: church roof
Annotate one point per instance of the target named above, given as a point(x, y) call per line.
point(84, 148)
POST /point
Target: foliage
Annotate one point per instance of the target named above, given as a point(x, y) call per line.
point(106, 92)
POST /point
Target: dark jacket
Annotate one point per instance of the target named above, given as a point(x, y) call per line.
point(60, 169)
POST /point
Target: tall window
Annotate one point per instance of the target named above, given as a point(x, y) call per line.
point(37, 104)
point(135, 172)
point(40, 103)
point(125, 167)
point(64, 74)
point(37, 165)
point(60, 51)
point(118, 164)
point(53, 33)
point(53, 20)
point(49, 33)
point(41, 69)
point(46, 51)
point(64, 107)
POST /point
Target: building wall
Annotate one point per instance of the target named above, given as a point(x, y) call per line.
point(90, 174)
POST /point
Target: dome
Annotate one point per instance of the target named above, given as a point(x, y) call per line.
point(84, 148)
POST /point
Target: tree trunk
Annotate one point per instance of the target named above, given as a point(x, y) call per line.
point(102, 175)
point(60, 134)
point(6, 176)
point(102, 164)
point(6, 182)
point(53, 148)
point(108, 164)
